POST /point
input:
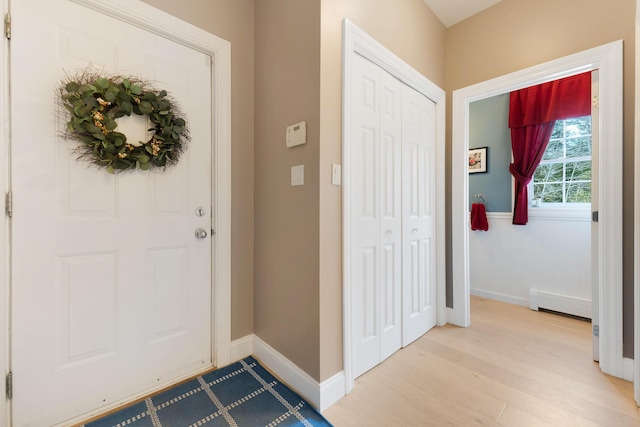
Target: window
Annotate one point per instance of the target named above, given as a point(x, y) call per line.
point(564, 174)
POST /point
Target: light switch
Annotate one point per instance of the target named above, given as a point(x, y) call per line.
point(297, 175)
point(336, 174)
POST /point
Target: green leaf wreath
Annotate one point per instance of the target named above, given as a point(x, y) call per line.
point(95, 103)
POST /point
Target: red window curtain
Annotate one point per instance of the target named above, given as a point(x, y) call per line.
point(533, 112)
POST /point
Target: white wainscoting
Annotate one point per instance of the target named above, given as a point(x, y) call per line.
point(551, 253)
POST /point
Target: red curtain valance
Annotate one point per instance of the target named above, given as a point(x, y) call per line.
point(556, 100)
point(533, 112)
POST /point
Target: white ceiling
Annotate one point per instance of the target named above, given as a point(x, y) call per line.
point(451, 12)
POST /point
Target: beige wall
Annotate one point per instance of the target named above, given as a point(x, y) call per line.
point(286, 53)
point(293, 290)
point(286, 241)
point(516, 34)
point(412, 32)
point(232, 20)
point(287, 85)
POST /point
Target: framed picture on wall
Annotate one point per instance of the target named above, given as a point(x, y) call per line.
point(478, 160)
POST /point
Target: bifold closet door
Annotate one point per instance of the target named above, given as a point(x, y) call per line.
point(418, 215)
point(375, 220)
point(391, 229)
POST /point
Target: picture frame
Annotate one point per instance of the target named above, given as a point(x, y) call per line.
point(478, 160)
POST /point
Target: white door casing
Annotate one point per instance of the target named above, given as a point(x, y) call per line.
point(636, 222)
point(595, 172)
point(4, 223)
point(358, 42)
point(102, 215)
point(608, 60)
point(376, 260)
point(418, 215)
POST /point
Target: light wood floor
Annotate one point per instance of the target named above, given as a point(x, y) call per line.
point(511, 367)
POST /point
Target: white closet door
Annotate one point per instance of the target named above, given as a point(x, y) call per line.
point(376, 215)
point(418, 214)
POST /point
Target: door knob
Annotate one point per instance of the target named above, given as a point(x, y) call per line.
point(201, 233)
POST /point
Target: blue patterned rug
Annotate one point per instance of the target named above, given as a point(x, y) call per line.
point(241, 394)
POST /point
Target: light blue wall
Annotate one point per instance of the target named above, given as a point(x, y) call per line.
point(488, 127)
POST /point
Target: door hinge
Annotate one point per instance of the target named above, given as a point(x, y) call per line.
point(8, 204)
point(9, 386)
point(596, 330)
point(7, 26)
point(594, 216)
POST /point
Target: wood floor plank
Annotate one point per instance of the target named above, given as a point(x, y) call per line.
point(511, 367)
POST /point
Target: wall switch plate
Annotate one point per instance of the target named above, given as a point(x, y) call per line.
point(297, 134)
point(336, 174)
point(297, 175)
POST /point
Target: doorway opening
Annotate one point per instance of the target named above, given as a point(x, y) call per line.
point(608, 60)
point(535, 264)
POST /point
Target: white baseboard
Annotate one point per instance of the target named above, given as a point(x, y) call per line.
point(456, 317)
point(332, 390)
point(500, 297)
point(241, 348)
point(320, 396)
point(628, 369)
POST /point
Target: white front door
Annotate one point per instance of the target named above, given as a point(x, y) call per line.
point(111, 290)
point(418, 215)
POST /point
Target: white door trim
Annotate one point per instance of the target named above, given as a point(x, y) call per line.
point(636, 215)
point(154, 20)
point(357, 41)
point(608, 59)
point(5, 273)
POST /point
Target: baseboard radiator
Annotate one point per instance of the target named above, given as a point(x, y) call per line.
point(561, 303)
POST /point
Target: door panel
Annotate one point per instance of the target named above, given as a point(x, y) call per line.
point(418, 199)
point(391, 213)
point(111, 291)
point(376, 231)
point(87, 306)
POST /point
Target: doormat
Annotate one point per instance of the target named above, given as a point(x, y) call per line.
point(241, 394)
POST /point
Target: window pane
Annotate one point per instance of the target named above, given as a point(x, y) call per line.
point(579, 192)
point(555, 150)
point(550, 193)
point(578, 147)
point(580, 126)
point(548, 173)
point(564, 175)
point(578, 171)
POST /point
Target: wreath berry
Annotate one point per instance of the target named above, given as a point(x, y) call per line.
point(96, 102)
